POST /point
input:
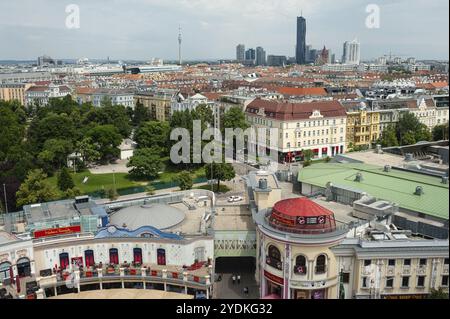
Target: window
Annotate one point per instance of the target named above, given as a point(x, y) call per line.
point(274, 258)
point(422, 262)
point(346, 277)
point(161, 256)
point(89, 258)
point(364, 283)
point(367, 262)
point(391, 262)
point(321, 264)
point(444, 282)
point(407, 262)
point(114, 256)
point(421, 281)
point(390, 282)
point(64, 260)
point(300, 265)
point(137, 255)
point(405, 282)
point(446, 261)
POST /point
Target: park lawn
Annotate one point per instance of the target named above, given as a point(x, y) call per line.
point(98, 182)
point(171, 172)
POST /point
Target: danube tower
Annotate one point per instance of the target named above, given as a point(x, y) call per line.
point(179, 45)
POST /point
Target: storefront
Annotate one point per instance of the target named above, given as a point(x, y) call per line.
point(274, 285)
point(309, 294)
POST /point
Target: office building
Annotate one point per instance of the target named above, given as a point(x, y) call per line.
point(301, 41)
point(352, 52)
point(276, 60)
point(260, 56)
point(240, 53)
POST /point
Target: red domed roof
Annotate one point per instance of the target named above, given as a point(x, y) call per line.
point(301, 207)
point(301, 215)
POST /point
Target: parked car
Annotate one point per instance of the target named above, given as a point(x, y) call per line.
point(234, 199)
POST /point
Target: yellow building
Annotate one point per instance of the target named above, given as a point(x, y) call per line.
point(159, 102)
point(363, 128)
point(14, 91)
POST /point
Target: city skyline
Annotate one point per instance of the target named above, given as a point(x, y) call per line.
point(106, 29)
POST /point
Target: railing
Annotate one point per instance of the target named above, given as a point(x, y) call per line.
point(321, 269)
point(275, 263)
point(303, 231)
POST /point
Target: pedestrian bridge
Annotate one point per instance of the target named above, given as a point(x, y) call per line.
point(234, 232)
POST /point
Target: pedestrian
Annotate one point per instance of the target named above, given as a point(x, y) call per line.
point(234, 279)
point(239, 279)
point(246, 291)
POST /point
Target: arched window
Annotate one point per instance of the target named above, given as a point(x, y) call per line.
point(137, 255)
point(114, 256)
point(300, 265)
point(89, 258)
point(161, 256)
point(64, 260)
point(274, 258)
point(321, 264)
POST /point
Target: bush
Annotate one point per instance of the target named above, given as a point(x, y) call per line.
point(307, 163)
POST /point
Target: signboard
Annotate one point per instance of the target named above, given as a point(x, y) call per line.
point(273, 278)
point(404, 296)
point(320, 220)
point(57, 231)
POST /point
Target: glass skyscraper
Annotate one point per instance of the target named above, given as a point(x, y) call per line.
point(300, 53)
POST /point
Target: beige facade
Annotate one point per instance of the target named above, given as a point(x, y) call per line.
point(14, 91)
point(159, 103)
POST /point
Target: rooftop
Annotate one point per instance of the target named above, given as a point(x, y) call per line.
point(395, 186)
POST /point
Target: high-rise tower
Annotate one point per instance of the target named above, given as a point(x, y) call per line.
point(180, 39)
point(300, 53)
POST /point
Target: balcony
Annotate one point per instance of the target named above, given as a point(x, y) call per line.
point(275, 263)
point(320, 269)
point(300, 270)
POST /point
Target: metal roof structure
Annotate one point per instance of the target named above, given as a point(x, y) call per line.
point(395, 186)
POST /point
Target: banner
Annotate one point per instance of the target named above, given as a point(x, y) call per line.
point(57, 231)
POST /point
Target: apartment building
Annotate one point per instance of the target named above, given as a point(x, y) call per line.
point(316, 126)
point(40, 95)
point(159, 102)
point(14, 91)
point(363, 126)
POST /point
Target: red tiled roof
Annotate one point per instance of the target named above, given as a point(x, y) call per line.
point(296, 111)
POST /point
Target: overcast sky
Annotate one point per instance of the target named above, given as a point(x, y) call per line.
point(142, 29)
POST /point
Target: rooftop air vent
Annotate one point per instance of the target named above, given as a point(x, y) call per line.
point(359, 178)
point(409, 157)
point(419, 191)
point(445, 180)
point(263, 183)
point(387, 168)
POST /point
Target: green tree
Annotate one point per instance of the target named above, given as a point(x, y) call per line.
point(54, 154)
point(145, 164)
point(220, 172)
point(141, 114)
point(72, 193)
point(12, 131)
point(440, 132)
point(108, 114)
point(308, 155)
point(438, 294)
point(65, 181)
point(185, 180)
point(88, 150)
point(388, 137)
point(36, 189)
point(409, 138)
point(203, 113)
point(112, 194)
point(153, 135)
point(150, 190)
point(106, 139)
point(410, 130)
